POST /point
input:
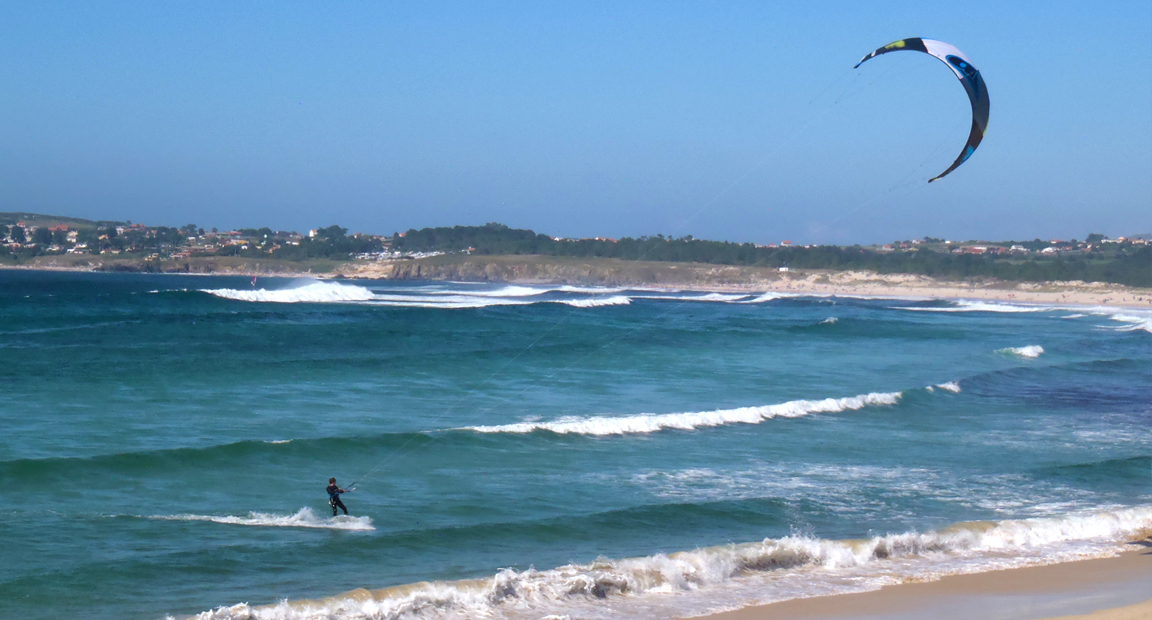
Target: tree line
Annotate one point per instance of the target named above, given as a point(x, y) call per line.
point(1117, 263)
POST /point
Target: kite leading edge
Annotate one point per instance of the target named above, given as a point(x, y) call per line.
point(969, 76)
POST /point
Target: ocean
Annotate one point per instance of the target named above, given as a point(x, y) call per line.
point(531, 452)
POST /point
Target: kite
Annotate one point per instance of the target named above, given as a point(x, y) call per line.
point(969, 77)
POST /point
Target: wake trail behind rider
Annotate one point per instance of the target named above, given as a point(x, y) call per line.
point(334, 492)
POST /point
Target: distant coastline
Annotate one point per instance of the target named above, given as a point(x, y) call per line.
point(528, 269)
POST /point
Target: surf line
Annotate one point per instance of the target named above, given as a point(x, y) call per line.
point(402, 451)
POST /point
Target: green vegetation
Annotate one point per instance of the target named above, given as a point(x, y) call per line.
point(331, 243)
point(1119, 263)
point(39, 219)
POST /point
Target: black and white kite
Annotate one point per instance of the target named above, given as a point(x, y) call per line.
point(969, 77)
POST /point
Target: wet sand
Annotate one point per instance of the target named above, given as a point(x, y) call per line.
point(1118, 588)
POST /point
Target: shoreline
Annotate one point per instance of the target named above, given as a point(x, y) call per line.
point(678, 276)
point(1111, 588)
point(1105, 580)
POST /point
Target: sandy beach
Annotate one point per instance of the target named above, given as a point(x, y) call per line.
point(1116, 588)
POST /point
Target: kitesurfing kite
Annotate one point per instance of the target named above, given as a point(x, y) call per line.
point(969, 77)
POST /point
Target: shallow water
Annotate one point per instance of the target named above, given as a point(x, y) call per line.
point(166, 441)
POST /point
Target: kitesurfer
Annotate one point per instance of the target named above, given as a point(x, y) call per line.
point(334, 492)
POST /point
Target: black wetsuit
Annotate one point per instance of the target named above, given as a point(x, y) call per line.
point(334, 498)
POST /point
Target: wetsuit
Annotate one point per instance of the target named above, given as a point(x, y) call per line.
point(334, 499)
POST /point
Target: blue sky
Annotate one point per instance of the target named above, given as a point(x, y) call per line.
point(739, 121)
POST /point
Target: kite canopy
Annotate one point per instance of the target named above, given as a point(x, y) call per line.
point(969, 77)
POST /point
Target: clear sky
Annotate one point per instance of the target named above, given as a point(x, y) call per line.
point(726, 120)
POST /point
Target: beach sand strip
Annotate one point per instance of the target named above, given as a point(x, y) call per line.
point(1117, 588)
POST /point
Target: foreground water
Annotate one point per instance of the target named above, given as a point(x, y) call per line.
point(542, 452)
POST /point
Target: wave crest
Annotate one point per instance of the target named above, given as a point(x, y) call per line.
point(977, 306)
point(317, 292)
point(950, 386)
point(1142, 323)
point(649, 422)
point(596, 302)
point(1032, 351)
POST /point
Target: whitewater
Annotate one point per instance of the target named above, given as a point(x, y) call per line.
point(649, 423)
point(531, 451)
point(726, 577)
point(471, 296)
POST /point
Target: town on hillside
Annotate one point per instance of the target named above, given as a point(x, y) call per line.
point(27, 237)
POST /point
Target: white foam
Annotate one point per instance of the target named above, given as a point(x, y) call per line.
point(730, 576)
point(511, 291)
point(769, 296)
point(567, 288)
point(678, 296)
point(1032, 351)
point(596, 302)
point(303, 518)
point(649, 422)
point(1135, 323)
point(1073, 316)
point(447, 300)
point(316, 292)
point(829, 321)
point(979, 306)
point(719, 297)
point(951, 386)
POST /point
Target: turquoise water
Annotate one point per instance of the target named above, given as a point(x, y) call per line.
point(165, 442)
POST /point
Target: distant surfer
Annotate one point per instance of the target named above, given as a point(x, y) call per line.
point(334, 492)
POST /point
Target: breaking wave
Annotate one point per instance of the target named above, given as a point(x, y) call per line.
point(1142, 323)
point(763, 297)
point(317, 292)
point(465, 297)
point(1032, 350)
point(950, 386)
point(303, 518)
point(730, 575)
point(650, 422)
point(594, 302)
point(721, 297)
point(976, 306)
